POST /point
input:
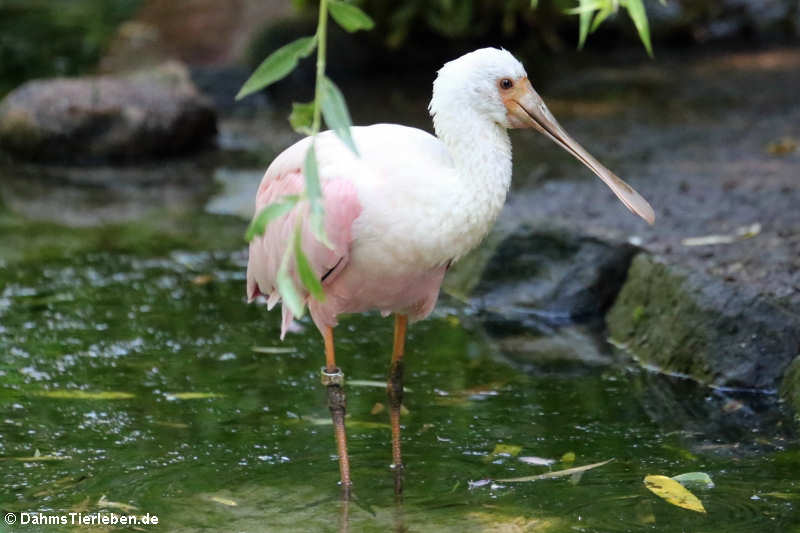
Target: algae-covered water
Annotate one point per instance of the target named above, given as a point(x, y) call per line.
point(135, 380)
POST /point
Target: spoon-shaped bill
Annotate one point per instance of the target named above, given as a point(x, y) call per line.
point(526, 109)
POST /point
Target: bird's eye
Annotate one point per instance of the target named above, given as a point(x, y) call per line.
point(506, 83)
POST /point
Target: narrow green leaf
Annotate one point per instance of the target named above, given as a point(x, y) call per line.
point(585, 17)
point(311, 173)
point(307, 275)
point(289, 294)
point(586, 5)
point(268, 214)
point(302, 117)
point(534, 4)
point(314, 192)
point(337, 117)
point(639, 17)
point(602, 15)
point(278, 65)
point(350, 17)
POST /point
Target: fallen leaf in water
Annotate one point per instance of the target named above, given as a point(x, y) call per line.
point(36, 457)
point(202, 279)
point(568, 457)
point(695, 478)
point(370, 383)
point(539, 461)
point(673, 492)
point(782, 146)
point(356, 424)
point(84, 395)
point(192, 395)
point(176, 425)
point(453, 320)
point(556, 474)
point(224, 501)
point(503, 450)
point(108, 504)
point(273, 349)
point(741, 233)
point(57, 486)
point(404, 411)
point(377, 408)
point(783, 495)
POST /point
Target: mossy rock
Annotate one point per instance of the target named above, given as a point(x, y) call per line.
point(691, 324)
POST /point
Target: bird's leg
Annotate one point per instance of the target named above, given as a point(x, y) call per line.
point(394, 389)
point(333, 379)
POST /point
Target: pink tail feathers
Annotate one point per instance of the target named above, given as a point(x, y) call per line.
point(341, 209)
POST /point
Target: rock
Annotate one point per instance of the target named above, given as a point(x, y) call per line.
point(149, 114)
point(790, 386)
point(565, 351)
point(689, 323)
point(551, 277)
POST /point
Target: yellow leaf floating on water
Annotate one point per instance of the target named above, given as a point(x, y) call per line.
point(84, 395)
point(674, 493)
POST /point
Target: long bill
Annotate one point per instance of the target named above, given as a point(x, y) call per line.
point(526, 109)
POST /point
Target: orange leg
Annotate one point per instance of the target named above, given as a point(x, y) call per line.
point(333, 379)
point(394, 389)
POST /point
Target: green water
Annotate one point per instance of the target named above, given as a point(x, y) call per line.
point(255, 452)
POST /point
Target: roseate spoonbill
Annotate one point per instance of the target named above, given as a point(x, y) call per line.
point(400, 214)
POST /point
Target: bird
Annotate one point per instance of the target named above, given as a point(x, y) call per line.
point(406, 208)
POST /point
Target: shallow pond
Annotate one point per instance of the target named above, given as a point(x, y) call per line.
point(135, 380)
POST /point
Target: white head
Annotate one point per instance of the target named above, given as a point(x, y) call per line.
point(489, 88)
point(473, 82)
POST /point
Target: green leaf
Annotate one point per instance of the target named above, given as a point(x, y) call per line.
point(302, 117)
point(307, 275)
point(534, 4)
point(600, 17)
point(288, 291)
point(334, 109)
point(639, 17)
point(350, 17)
point(311, 172)
point(314, 192)
point(695, 478)
point(278, 65)
point(268, 214)
point(583, 26)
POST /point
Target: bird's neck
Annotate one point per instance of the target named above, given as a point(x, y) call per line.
point(481, 153)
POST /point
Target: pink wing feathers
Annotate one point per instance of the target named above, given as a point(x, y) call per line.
point(342, 207)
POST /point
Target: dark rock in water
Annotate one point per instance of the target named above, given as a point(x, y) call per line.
point(150, 114)
point(685, 322)
point(711, 421)
point(569, 350)
point(550, 278)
